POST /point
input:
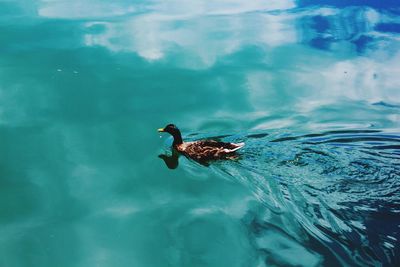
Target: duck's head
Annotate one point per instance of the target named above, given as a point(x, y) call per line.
point(174, 131)
point(170, 128)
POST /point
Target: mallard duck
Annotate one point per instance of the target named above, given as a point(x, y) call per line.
point(202, 150)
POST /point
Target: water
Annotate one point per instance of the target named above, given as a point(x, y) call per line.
point(312, 87)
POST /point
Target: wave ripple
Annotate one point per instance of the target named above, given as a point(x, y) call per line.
point(335, 194)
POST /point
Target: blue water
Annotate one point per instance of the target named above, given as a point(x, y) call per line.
point(311, 87)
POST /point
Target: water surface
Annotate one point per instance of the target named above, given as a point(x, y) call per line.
point(311, 87)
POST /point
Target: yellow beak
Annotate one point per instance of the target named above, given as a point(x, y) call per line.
point(160, 130)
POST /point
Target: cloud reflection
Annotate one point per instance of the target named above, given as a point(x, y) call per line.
point(205, 32)
point(202, 39)
point(371, 79)
point(154, 34)
point(76, 9)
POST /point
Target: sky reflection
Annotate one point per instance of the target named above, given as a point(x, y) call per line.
point(354, 49)
point(154, 34)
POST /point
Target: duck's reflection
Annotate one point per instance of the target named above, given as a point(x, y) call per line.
point(172, 161)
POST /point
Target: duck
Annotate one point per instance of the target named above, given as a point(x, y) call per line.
point(201, 150)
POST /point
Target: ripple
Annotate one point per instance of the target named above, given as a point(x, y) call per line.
point(332, 186)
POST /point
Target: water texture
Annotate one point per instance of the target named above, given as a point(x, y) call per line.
point(311, 87)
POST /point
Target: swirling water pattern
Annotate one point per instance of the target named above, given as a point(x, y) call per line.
point(311, 87)
point(340, 187)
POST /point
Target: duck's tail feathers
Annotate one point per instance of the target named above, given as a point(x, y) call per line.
point(235, 147)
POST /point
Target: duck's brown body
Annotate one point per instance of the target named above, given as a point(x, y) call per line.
point(202, 150)
point(208, 149)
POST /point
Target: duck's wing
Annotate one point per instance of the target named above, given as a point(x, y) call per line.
point(227, 147)
point(211, 148)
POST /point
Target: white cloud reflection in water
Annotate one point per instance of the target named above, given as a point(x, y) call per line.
point(153, 36)
point(76, 9)
point(227, 25)
point(197, 35)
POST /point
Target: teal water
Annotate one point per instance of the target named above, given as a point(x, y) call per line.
point(311, 87)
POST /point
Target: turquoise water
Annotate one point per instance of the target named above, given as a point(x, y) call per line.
point(311, 87)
